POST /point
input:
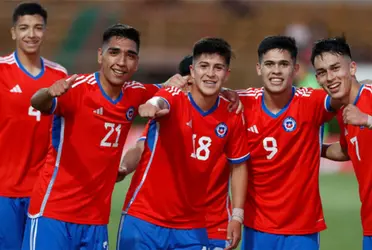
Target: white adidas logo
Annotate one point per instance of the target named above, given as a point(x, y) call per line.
point(98, 111)
point(16, 89)
point(253, 129)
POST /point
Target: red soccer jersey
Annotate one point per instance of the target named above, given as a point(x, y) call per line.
point(283, 192)
point(88, 135)
point(218, 201)
point(169, 186)
point(357, 141)
point(24, 132)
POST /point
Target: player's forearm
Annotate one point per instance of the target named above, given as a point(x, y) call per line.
point(42, 101)
point(334, 152)
point(132, 157)
point(239, 180)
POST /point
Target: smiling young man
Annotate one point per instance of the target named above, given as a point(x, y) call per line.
point(283, 208)
point(335, 72)
point(24, 132)
point(165, 206)
point(92, 117)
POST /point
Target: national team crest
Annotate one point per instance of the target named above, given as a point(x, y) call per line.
point(221, 130)
point(289, 124)
point(130, 114)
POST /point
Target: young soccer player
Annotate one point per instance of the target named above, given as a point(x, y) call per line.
point(166, 203)
point(24, 132)
point(335, 72)
point(283, 208)
point(218, 199)
point(71, 200)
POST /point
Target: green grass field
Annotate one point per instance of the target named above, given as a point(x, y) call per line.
point(341, 210)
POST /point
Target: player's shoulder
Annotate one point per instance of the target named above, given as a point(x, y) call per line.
point(250, 94)
point(48, 64)
point(366, 89)
point(6, 61)
point(304, 92)
point(133, 85)
point(84, 80)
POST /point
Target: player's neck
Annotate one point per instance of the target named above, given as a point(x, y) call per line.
point(276, 102)
point(111, 90)
point(205, 103)
point(31, 62)
point(354, 90)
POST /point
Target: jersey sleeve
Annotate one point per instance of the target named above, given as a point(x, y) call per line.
point(237, 149)
point(319, 105)
point(170, 95)
point(151, 90)
point(144, 132)
point(66, 103)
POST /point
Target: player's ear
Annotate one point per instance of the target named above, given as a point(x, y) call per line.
point(192, 73)
point(258, 69)
point(296, 68)
point(353, 68)
point(99, 55)
point(12, 32)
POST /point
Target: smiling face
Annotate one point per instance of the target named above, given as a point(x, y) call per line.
point(118, 59)
point(28, 32)
point(209, 73)
point(335, 72)
point(277, 70)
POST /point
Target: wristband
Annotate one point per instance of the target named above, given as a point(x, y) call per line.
point(154, 101)
point(238, 215)
point(369, 122)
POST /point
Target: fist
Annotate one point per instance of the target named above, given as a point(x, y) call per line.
point(177, 81)
point(352, 115)
point(61, 86)
point(148, 110)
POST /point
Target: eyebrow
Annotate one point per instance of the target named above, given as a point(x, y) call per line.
point(330, 66)
point(118, 50)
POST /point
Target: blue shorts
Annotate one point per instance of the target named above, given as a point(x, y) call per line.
point(215, 244)
point(367, 242)
point(135, 233)
point(45, 234)
point(13, 214)
point(256, 240)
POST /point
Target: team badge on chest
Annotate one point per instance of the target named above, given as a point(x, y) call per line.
point(221, 130)
point(130, 114)
point(289, 124)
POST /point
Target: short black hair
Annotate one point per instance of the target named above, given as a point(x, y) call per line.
point(184, 66)
point(212, 45)
point(123, 31)
point(335, 45)
point(29, 9)
point(278, 42)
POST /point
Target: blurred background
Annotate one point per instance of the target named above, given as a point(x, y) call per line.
point(169, 29)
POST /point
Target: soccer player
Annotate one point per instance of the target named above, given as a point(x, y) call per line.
point(24, 132)
point(335, 72)
point(166, 203)
point(218, 200)
point(283, 208)
point(70, 203)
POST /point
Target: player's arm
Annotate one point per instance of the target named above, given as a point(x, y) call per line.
point(130, 160)
point(43, 99)
point(352, 115)
point(335, 152)
point(237, 153)
point(154, 108)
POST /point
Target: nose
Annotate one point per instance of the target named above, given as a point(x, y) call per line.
point(31, 33)
point(121, 61)
point(330, 76)
point(276, 69)
point(210, 72)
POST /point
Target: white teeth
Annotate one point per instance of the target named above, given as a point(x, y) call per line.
point(333, 86)
point(118, 71)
